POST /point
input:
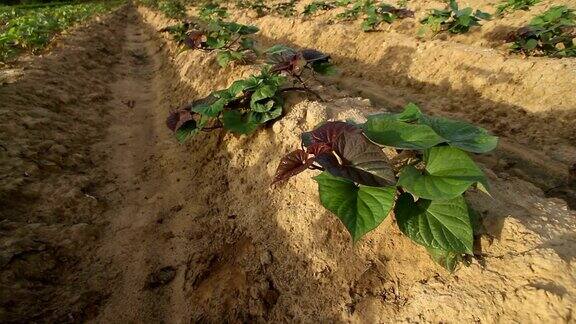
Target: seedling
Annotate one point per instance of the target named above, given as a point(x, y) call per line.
point(420, 179)
point(230, 39)
point(172, 8)
point(247, 103)
point(551, 33)
point(212, 11)
point(513, 5)
point(32, 28)
point(293, 63)
point(376, 14)
point(286, 9)
point(316, 6)
point(180, 32)
point(342, 3)
point(256, 5)
point(241, 108)
point(351, 13)
point(452, 19)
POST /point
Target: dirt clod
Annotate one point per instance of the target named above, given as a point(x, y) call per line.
point(161, 277)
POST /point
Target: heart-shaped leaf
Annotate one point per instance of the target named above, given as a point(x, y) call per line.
point(312, 55)
point(185, 130)
point(238, 122)
point(359, 160)
point(447, 259)
point(328, 133)
point(213, 109)
point(223, 58)
point(215, 43)
point(178, 118)
point(292, 164)
point(240, 29)
point(462, 135)
point(272, 109)
point(384, 129)
point(438, 224)
point(410, 113)
point(264, 91)
point(449, 172)
point(360, 208)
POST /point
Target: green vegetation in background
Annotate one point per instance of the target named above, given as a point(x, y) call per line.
point(552, 34)
point(31, 29)
point(452, 19)
point(174, 9)
point(374, 13)
point(513, 5)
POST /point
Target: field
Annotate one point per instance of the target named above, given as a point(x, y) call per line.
point(166, 161)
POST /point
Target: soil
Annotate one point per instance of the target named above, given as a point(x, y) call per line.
point(105, 218)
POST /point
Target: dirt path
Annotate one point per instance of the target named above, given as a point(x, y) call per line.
point(146, 189)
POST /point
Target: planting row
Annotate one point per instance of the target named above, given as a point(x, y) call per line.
point(31, 28)
point(551, 33)
point(411, 165)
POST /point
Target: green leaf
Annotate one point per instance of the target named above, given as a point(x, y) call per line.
point(211, 110)
point(447, 259)
point(466, 12)
point(438, 224)
point(384, 129)
point(271, 113)
point(240, 29)
point(223, 58)
point(360, 208)
point(215, 43)
point(237, 87)
point(247, 43)
point(453, 5)
point(462, 135)
point(279, 49)
point(264, 91)
point(185, 131)
point(411, 113)
point(449, 172)
point(237, 122)
point(482, 15)
point(324, 68)
point(531, 44)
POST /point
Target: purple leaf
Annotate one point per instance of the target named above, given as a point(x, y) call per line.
point(358, 159)
point(292, 164)
point(195, 39)
point(178, 118)
point(328, 133)
point(312, 55)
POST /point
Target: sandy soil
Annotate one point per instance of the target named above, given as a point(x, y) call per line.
point(106, 219)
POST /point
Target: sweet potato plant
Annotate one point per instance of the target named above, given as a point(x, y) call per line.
point(452, 19)
point(212, 11)
point(231, 40)
point(251, 102)
point(551, 33)
point(513, 5)
point(374, 13)
point(410, 165)
point(286, 9)
point(317, 5)
point(258, 6)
